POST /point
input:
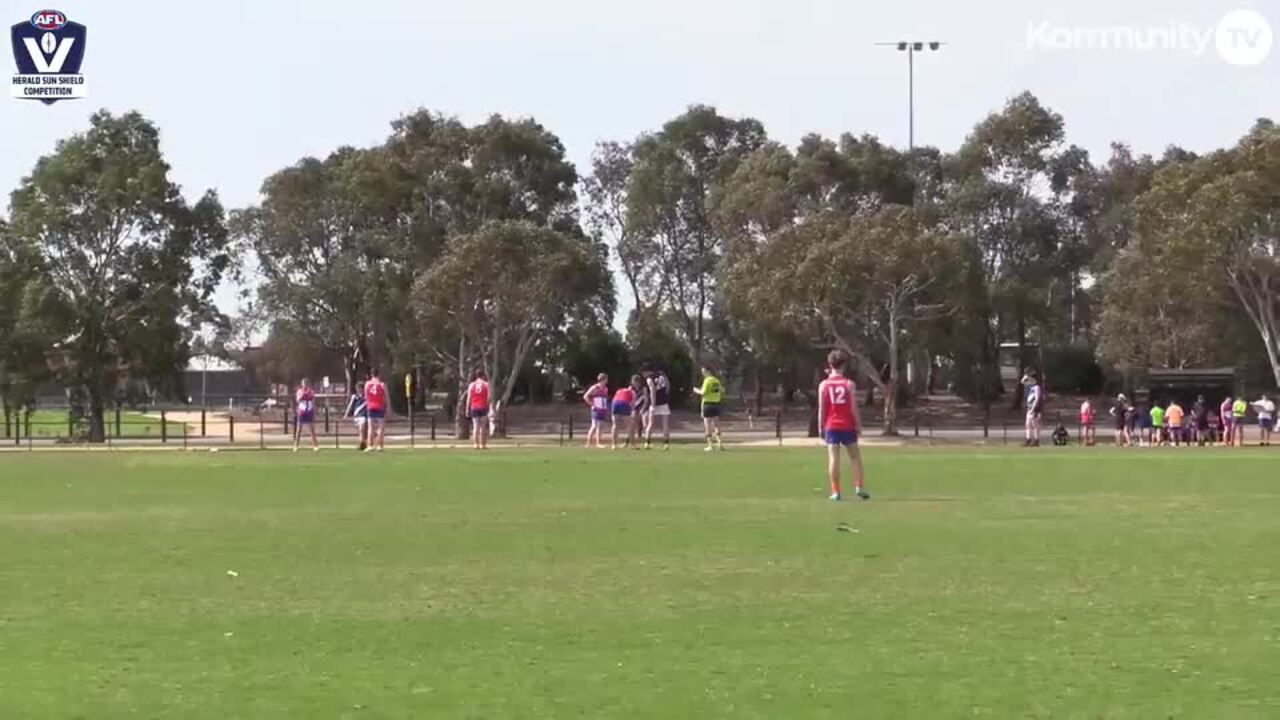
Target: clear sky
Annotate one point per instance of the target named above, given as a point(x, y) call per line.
point(242, 88)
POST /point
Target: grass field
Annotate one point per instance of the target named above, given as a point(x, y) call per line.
point(562, 583)
point(53, 424)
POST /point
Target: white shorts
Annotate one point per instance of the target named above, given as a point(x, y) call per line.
point(360, 421)
point(660, 411)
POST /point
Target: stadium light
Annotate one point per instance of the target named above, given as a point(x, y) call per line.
point(911, 47)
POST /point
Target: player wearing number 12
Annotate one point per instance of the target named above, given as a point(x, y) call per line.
point(838, 418)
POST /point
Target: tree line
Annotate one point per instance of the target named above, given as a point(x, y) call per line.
point(449, 247)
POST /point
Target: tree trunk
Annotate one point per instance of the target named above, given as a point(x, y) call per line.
point(1259, 304)
point(524, 340)
point(1071, 308)
point(989, 384)
point(891, 388)
point(1022, 361)
point(97, 410)
point(928, 373)
point(759, 399)
point(357, 364)
point(814, 430)
point(461, 418)
point(497, 349)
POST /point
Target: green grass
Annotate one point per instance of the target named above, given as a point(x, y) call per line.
point(53, 424)
point(561, 583)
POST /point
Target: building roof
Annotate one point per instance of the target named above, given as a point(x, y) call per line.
point(1191, 373)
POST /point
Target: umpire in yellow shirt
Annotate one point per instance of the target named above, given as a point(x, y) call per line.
point(712, 392)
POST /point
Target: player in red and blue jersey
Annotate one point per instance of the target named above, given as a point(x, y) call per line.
point(838, 418)
point(623, 408)
point(597, 398)
point(375, 400)
point(478, 409)
point(305, 399)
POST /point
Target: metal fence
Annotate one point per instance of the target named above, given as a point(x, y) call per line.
point(187, 427)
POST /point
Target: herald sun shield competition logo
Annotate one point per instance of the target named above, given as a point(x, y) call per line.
point(48, 49)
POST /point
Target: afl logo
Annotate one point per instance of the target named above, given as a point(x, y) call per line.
point(49, 20)
point(48, 49)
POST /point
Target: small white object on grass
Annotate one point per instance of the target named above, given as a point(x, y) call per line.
point(233, 573)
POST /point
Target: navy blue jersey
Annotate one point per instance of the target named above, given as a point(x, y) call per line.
point(661, 389)
point(356, 406)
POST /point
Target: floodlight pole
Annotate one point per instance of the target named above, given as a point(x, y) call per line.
point(911, 99)
point(910, 47)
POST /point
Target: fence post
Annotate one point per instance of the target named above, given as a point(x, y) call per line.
point(286, 421)
point(413, 442)
point(118, 433)
point(262, 433)
point(326, 416)
point(570, 428)
point(986, 420)
point(202, 419)
point(231, 429)
point(777, 426)
point(184, 436)
point(1005, 426)
point(164, 429)
point(336, 443)
point(71, 426)
point(917, 422)
point(433, 427)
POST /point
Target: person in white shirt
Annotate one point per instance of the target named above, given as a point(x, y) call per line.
point(1266, 410)
point(1035, 407)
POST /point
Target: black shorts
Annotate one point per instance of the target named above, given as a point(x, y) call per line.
point(711, 410)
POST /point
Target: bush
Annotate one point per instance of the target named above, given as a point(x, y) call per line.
point(1072, 369)
point(653, 343)
point(590, 351)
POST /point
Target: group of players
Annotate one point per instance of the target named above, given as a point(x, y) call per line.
point(1170, 424)
point(1162, 424)
point(637, 409)
point(646, 402)
point(367, 407)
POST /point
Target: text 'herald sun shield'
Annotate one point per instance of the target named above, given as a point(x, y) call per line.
point(48, 50)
